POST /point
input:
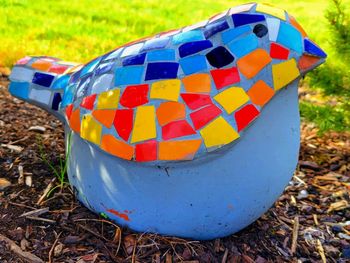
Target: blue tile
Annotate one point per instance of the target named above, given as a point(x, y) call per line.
point(128, 75)
point(89, 67)
point(194, 47)
point(43, 79)
point(74, 77)
point(68, 95)
point(56, 101)
point(193, 64)
point(220, 57)
point(61, 82)
point(104, 68)
point(260, 30)
point(135, 60)
point(162, 70)
point(290, 37)
point(161, 55)
point(243, 19)
point(19, 89)
point(312, 49)
point(156, 43)
point(215, 28)
point(193, 35)
point(243, 46)
point(233, 33)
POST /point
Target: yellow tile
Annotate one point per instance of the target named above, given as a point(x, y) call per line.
point(144, 125)
point(108, 99)
point(166, 89)
point(90, 129)
point(284, 73)
point(218, 133)
point(271, 10)
point(232, 98)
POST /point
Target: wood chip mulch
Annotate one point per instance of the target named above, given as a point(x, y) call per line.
point(310, 222)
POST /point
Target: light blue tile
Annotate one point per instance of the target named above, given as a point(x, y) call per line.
point(89, 67)
point(243, 46)
point(161, 55)
point(128, 75)
point(19, 89)
point(290, 37)
point(189, 36)
point(193, 64)
point(233, 33)
point(61, 82)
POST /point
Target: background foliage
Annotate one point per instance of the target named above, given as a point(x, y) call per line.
point(81, 30)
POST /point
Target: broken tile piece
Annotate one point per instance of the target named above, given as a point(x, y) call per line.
point(161, 55)
point(117, 147)
point(177, 129)
point(244, 45)
point(161, 70)
point(123, 123)
point(260, 93)
point(88, 102)
point(284, 73)
point(56, 100)
point(216, 27)
point(195, 101)
point(155, 43)
point(108, 99)
point(193, 64)
point(245, 116)
point(193, 35)
point(307, 62)
point(312, 49)
point(191, 48)
point(278, 52)
point(271, 10)
point(260, 30)
point(241, 8)
point(197, 83)
point(105, 117)
point(219, 57)
point(146, 152)
point(225, 77)
point(91, 130)
point(69, 110)
point(144, 125)
point(178, 150)
point(218, 133)
point(233, 33)
point(290, 37)
point(170, 111)
point(232, 98)
point(128, 75)
point(203, 116)
point(243, 19)
point(166, 90)
point(42, 64)
point(294, 22)
point(138, 59)
point(43, 79)
point(251, 64)
point(273, 24)
point(134, 96)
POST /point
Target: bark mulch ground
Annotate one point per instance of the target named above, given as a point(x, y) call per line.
point(310, 222)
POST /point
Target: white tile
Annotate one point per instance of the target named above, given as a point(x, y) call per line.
point(22, 74)
point(132, 50)
point(40, 95)
point(273, 25)
point(102, 83)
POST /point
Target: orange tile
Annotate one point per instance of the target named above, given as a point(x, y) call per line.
point(306, 62)
point(178, 150)
point(294, 22)
point(74, 121)
point(105, 117)
point(253, 63)
point(117, 147)
point(197, 83)
point(42, 65)
point(170, 111)
point(260, 93)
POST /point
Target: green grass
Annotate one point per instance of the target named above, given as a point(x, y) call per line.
point(81, 30)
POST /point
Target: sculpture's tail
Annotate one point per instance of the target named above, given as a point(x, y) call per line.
point(41, 81)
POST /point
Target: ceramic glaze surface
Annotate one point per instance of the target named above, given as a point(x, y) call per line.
point(192, 132)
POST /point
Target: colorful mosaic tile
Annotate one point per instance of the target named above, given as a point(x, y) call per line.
point(177, 95)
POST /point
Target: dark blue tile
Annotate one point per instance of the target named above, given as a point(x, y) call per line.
point(194, 47)
point(135, 60)
point(214, 28)
point(155, 43)
point(162, 70)
point(74, 77)
point(312, 49)
point(56, 101)
point(220, 57)
point(43, 79)
point(243, 19)
point(104, 68)
point(260, 30)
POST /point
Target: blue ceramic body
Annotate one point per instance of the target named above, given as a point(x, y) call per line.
point(206, 198)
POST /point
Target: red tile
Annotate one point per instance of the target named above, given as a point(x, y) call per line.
point(245, 116)
point(69, 110)
point(177, 129)
point(225, 77)
point(195, 101)
point(146, 152)
point(205, 115)
point(58, 69)
point(88, 102)
point(134, 96)
point(278, 52)
point(123, 122)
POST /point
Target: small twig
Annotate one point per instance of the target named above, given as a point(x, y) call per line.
point(53, 247)
point(41, 219)
point(321, 251)
point(36, 212)
point(21, 205)
point(133, 257)
point(295, 235)
point(29, 257)
point(47, 189)
point(315, 219)
point(224, 258)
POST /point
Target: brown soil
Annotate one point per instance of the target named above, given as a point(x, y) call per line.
point(308, 222)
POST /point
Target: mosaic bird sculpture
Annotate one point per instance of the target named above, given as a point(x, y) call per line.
point(192, 132)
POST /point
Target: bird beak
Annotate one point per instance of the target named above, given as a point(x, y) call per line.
point(312, 57)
